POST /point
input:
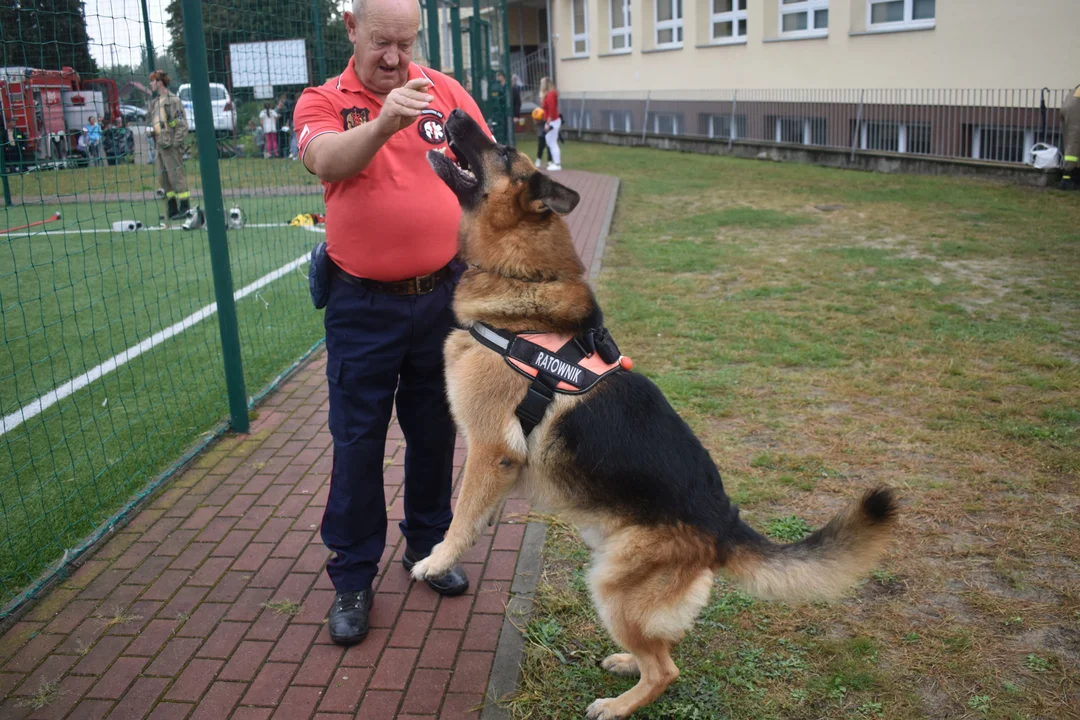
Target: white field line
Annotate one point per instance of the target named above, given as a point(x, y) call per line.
point(12, 421)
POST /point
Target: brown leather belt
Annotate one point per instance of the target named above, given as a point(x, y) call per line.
point(412, 286)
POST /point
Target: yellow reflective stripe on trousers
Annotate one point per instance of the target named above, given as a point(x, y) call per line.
point(183, 196)
point(1071, 158)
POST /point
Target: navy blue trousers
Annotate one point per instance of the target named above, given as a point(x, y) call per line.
point(377, 344)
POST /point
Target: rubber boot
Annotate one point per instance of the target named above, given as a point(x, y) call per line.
point(171, 209)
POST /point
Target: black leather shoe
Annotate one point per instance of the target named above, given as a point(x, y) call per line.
point(349, 616)
point(452, 583)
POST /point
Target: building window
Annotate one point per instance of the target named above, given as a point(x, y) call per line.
point(619, 18)
point(886, 14)
point(797, 130)
point(804, 17)
point(669, 23)
point(719, 126)
point(579, 26)
point(895, 137)
point(618, 120)
point(1003, 144)
point(666, 123)
point(728, 21)
point(579, 119)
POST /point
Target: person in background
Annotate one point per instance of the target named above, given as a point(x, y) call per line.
point(93, 141)
point(291, 103)
point(552, 121)
point(1070, 133)
point(284, 111)
point(541, 143)
point(168, 128)
point(268, 119)
point(497, 94)
point(515, 89)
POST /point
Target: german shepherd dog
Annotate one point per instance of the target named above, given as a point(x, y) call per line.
point(616, 460)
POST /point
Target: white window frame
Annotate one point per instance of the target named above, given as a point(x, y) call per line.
point(675, 118)
point(976, 141)
point(714, 121)
point(901, 133)
point(624, 31)
point(807, 130)
point(575, 35)
point(906, 24)
point(624, 115)
point(675, 25)
point(809, 7)
point(576, 117)
point(732, 16)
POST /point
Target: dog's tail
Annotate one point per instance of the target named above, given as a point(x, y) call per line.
point(820, 566)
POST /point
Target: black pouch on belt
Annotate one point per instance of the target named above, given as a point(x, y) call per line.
point(319, 276)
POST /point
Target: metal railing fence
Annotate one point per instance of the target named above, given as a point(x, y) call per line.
point(995, 125)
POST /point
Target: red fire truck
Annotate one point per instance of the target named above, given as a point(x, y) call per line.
point(43, 111)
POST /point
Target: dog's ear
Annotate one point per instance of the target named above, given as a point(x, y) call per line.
point(546, 194)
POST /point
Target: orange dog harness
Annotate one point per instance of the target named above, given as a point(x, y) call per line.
point(570, 364)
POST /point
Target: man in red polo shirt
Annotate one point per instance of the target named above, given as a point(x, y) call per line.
point(391, 234)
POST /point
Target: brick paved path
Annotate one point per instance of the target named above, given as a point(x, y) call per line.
point(185, 614)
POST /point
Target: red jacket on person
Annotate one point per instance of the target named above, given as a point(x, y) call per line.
point(551, 106)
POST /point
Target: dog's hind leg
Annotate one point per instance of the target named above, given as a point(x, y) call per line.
point(621, 664)
point(490, 473)
point(648, 589)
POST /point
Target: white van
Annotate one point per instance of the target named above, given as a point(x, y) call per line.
point(224, 110)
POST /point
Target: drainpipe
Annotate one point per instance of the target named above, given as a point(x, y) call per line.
point(551, 49)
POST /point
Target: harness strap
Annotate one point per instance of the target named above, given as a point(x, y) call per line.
point(552, 368)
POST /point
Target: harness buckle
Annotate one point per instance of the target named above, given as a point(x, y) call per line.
point(531, 410)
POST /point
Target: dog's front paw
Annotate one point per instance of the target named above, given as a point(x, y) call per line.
point(603, 709)
point(435, 565)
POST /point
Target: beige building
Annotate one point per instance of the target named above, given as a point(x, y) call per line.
point(947, 78)
point(673, 45)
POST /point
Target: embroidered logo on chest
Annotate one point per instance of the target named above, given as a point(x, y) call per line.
point(354, 117)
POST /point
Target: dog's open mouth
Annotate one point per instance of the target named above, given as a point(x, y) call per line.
point(460, 176)
point(457, 175)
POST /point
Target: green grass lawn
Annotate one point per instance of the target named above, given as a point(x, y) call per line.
point(73, 300)
point(824, 331)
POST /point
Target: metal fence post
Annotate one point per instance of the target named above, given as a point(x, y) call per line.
point(3, 160)
point(215, 214)
point(731, 127)
point(508, 91)
point(434, 51)
point(858, 125)
point(645, 121)
point(455, 41)
point(320, 50)
point(151, 61)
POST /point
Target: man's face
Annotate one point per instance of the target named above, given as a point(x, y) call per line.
point(383, 42)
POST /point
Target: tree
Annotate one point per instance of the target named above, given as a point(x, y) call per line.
point(47, 34)
point(239, 21)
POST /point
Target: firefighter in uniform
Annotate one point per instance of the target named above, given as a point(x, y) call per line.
point(1070, 131)
point(168, 126)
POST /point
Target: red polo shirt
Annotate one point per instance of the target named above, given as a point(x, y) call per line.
point(396, 219)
